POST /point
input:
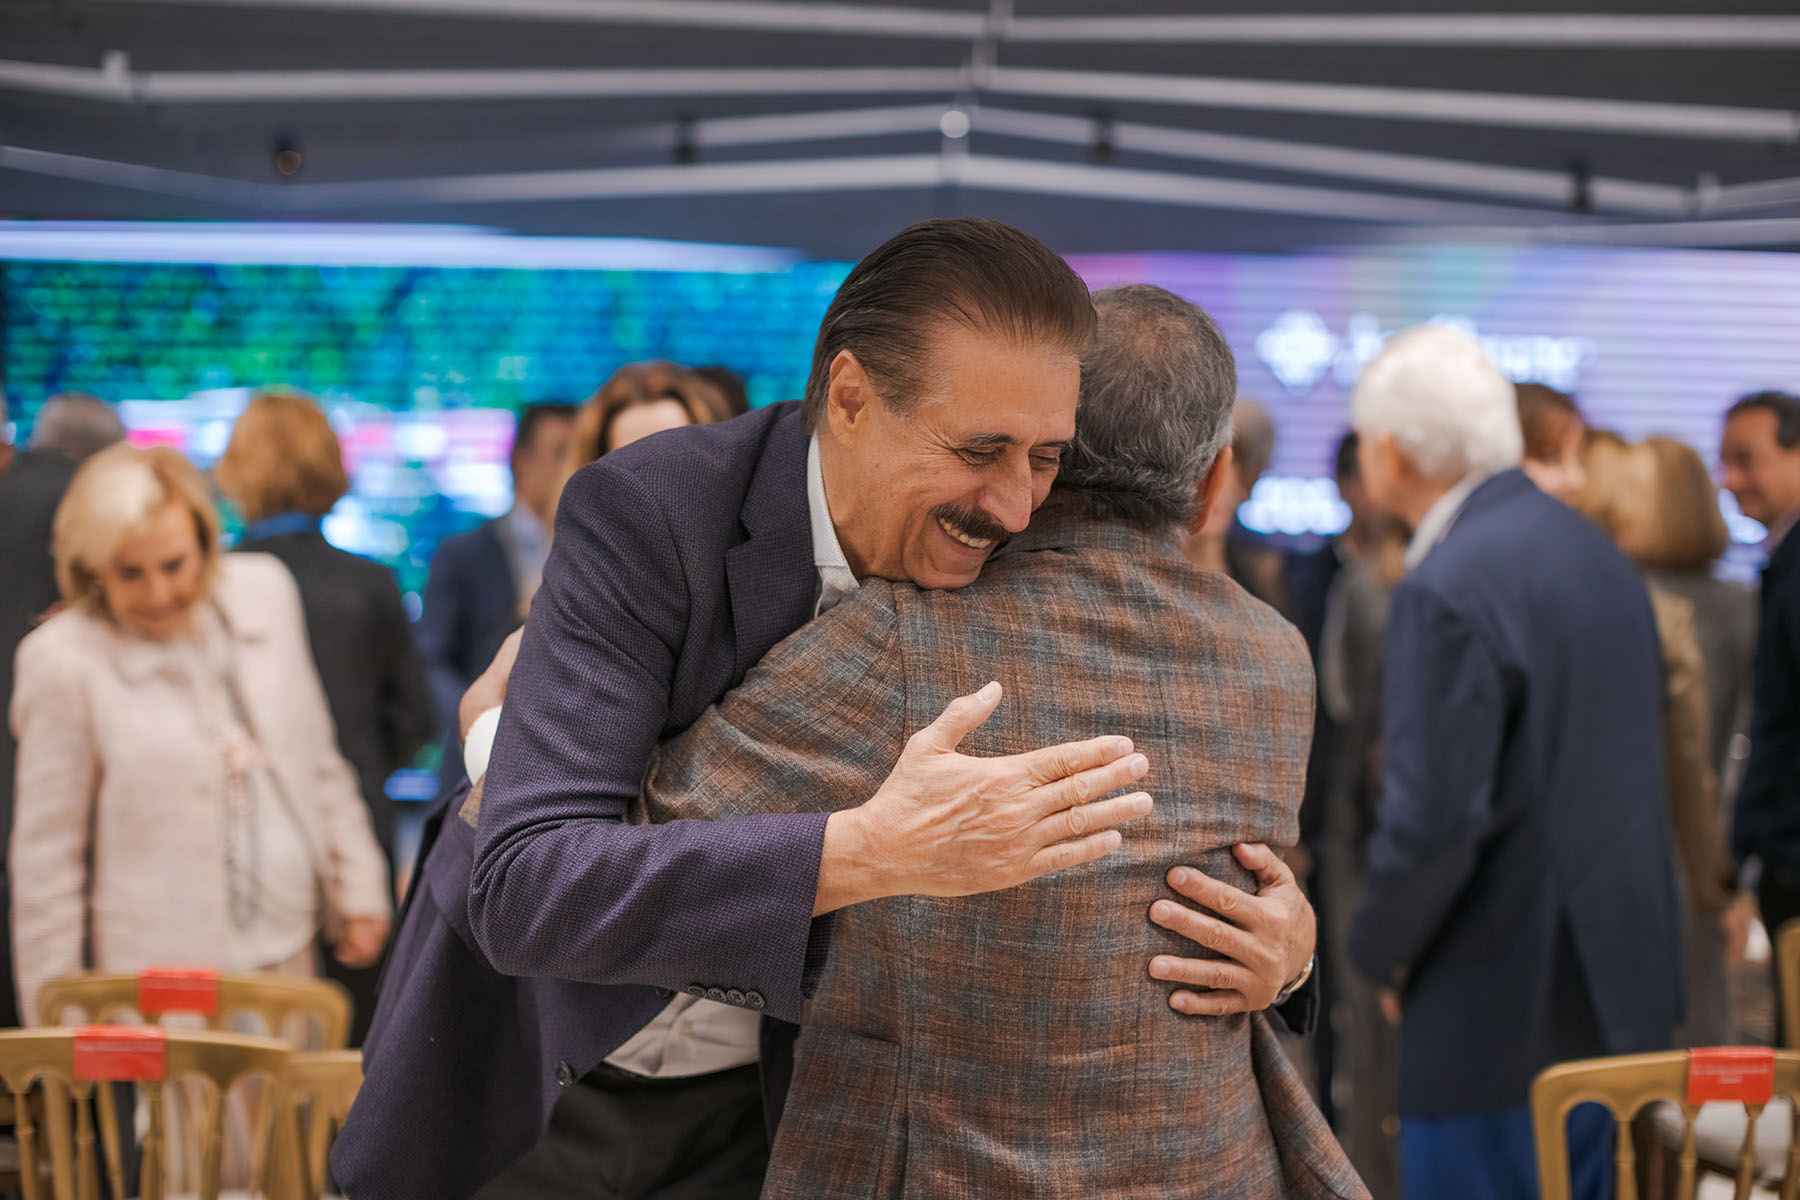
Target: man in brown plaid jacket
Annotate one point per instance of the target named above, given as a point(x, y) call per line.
point(963, 1047)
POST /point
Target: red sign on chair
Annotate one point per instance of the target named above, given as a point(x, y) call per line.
point(178, 989)
point(1745, 1074)
point(120, 1052)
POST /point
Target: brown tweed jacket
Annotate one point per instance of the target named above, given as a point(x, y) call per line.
point(1014, 1045)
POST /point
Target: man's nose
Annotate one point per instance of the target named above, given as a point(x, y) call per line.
point(1008, 501)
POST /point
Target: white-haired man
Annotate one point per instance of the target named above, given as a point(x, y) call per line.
point(1520, 894)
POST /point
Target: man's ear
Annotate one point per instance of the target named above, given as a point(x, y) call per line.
point(849, 393)
point(1210, 487)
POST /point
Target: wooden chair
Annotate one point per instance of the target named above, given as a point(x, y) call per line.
point(316, 1093)
point(70, 1063)
point(1627, 1084)
point(1787, 968)
point(273, 998)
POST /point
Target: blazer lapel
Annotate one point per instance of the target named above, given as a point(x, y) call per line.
point(771, 573)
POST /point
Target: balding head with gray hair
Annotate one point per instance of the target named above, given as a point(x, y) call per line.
point(1436, 393)
point(76, 425)
point(1156, 399)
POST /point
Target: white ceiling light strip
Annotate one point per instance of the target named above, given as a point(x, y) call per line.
point(1333, 99)
point(1406, 104)
point(1478, 30)
point(1597, 30)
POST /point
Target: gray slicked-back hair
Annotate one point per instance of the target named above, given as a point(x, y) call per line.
point(76, 425)
point(1156, 398)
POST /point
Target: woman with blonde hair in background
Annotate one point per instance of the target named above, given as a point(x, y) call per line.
point(284, 470)
point(1655, 500)
point(181, 797)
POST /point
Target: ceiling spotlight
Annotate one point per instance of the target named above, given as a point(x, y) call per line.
point(954, 124)
point(287, 157)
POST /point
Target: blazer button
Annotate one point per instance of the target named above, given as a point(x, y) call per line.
point(697, 990)
point(736, 997)
point(755, 1000)
point(565, 1074)
point(716, 995)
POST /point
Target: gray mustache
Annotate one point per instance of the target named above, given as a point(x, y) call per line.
point(971, 521)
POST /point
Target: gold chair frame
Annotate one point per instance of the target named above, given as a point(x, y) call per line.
point(1787, 967)
point(330, 1080)
point(1625, 1085)
point(46, 1057)
point(274, 998)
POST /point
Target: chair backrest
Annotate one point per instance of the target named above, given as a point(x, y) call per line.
point(1629, 1082)
point(317, 1091)
point(274, 998)
point(76, 1064)
point(1787, 967)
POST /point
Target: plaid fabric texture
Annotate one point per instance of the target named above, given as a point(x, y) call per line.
point(1013, 1044)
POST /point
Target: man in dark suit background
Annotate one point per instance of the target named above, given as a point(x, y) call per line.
point(1519, 890)
point(1761, 453)
point(679, 562)
point(481, 581)
point(69, 428)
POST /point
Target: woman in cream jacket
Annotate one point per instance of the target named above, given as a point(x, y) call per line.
point(180, 796)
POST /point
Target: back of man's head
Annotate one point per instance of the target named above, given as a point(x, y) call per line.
point(76, 425)
point(978, 273)
point(1435, 392)
point(1157, 393)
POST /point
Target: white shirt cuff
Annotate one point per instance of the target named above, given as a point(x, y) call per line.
point(478, 747)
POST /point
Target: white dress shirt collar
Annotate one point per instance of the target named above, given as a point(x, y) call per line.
point(1436, 523)
point(836, 580)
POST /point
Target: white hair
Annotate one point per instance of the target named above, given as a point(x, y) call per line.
point(1434, 391)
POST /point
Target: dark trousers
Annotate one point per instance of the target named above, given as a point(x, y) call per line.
point(616, 1136)
point(1778, 896)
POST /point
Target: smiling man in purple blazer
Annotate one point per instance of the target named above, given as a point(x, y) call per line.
point(643, 980)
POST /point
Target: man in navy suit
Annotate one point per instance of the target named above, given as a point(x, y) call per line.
point(1519, 893)
point(482, 580)
point(660, 968)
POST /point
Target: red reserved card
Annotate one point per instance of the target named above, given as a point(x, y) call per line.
point(114, 1052)
point(178, 989)
point(1745, 1074)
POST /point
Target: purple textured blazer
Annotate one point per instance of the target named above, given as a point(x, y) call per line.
point(678, 562)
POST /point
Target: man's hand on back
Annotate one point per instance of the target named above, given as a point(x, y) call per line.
point(1266, 937)
point(947, 824)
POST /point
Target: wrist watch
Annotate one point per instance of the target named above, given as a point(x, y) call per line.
point(1287, 993)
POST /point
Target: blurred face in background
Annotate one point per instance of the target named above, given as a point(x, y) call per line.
point(1382, 471)
point(641, 420)
point(537, 466)
point(927, 494)
point(1562, 475)
point(1763, 475)
point(153, 581)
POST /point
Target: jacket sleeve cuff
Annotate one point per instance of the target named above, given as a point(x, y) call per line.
point(1299, 1013)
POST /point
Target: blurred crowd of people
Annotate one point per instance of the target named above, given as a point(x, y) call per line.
point(194, 762)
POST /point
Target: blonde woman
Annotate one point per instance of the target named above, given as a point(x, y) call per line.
point(180, 795)
point(1673, 533)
